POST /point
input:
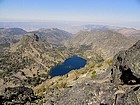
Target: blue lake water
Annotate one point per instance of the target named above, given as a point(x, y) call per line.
point(69, 64)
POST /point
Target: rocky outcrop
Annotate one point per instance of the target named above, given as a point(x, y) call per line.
point(126, 66)
point(17, 95)
point(90, 92)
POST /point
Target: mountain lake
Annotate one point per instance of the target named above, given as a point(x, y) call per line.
point(69, 64)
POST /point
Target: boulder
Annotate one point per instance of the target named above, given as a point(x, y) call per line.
point(126, 66)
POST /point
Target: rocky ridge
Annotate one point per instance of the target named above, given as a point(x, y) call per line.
point(29, 61)
point(107, 42)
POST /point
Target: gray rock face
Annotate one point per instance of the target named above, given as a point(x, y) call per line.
point(91, 93)
point(87, 93)
point(126, 66)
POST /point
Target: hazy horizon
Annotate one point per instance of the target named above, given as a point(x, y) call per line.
point(100, 12)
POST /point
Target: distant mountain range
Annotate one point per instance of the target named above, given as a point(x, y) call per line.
point(108, 42)
point(130, 32)
point(33, 26)
point(107, 39)
point(13, 35)
point(11, 31)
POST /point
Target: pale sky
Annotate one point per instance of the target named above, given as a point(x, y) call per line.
point(115, 12)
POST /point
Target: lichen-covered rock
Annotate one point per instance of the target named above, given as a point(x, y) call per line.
point(86, 93)
point(91, 93)
point(126, 66)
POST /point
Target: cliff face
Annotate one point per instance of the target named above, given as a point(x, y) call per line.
point(126, 66)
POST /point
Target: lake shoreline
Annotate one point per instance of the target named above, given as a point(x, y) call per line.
point(72, 63)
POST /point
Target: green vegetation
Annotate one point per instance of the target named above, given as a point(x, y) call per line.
point(109, 62)
point(99, 64)
point(83, 71)
point(76, 77)
point(99, 58)
point(61, 85)
point(93, 74)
